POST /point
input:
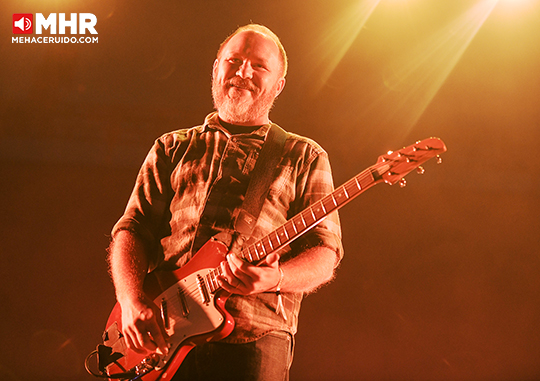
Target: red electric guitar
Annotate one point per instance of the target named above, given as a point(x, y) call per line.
point(192, 303)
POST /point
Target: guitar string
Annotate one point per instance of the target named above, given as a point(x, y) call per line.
point(355, 183)
point(289, 237)
point(193, 290)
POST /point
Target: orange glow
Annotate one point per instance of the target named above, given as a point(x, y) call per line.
point(413, 80)
point(514, 9)
point(341, 36)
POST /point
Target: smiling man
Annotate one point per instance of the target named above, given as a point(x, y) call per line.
point(190, 188)
point(249, 74)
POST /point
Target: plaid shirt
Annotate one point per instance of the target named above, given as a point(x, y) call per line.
point(189, 187)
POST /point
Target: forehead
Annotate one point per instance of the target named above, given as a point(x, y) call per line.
point(253, 44)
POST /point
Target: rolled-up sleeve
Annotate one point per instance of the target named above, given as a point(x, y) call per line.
point(314, 183)
point(148, 204)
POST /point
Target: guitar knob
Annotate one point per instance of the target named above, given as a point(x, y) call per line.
point(402, 183)
point(439, 159)
point(420, 170)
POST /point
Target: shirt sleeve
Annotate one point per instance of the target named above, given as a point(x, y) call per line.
point(313, 184)
point(147, 207)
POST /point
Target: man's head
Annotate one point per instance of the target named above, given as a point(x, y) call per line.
point(249, 73)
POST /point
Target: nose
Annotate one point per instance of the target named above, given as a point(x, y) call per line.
point(245, 70)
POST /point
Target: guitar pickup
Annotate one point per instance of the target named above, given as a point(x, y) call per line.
point(183, 303)
point(203, 290)
point(165, 314)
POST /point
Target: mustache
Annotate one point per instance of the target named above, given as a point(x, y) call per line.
point(242, 83)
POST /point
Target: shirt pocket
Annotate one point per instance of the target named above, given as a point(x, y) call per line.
point(283, 185)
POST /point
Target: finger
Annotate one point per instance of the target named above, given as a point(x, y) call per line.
point(158, 337)
point(234, 261)
point(158, 329)
point(240, 269)
point(132, 341)
point(272, 259)
point(144, 340)
point(224, 284)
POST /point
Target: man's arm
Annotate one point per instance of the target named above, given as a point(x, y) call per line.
point(141, 323)
point(303, 273)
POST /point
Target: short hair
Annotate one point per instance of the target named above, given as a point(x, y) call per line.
point(260, 29)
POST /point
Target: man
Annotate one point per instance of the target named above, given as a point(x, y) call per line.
point(188, 189)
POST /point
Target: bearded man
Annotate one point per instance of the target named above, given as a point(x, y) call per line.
point(190, 188)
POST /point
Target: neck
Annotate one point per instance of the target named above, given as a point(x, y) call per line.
point(264, 119)
point(237, 128)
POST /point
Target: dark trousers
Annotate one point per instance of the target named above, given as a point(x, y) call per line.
point(266, 359)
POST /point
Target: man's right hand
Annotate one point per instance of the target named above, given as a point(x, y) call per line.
point(142, 326)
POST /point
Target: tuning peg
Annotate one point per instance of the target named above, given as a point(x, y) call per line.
point(439, 159)
point(402, 183)
point(420, 170)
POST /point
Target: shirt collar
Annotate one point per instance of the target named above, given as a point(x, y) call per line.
point(212, 123)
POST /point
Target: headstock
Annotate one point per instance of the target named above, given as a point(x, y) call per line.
point(395, 165)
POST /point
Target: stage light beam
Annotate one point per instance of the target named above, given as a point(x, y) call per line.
point(341, 36)
point(413, 81)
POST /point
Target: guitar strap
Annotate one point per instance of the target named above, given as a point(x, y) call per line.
point(258, 188)
point(245, 218)
point(259, 184)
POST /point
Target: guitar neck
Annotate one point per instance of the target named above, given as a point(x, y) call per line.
point(312, 215)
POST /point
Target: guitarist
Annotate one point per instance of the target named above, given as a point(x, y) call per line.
point(190, 186)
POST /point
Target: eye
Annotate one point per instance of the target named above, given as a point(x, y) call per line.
point(235, 61)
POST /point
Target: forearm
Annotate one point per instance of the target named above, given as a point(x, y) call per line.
point(309, 270)
point(128, 265)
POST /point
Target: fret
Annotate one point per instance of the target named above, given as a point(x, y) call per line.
point(243, 254)
point(257, 256)
point(278, 234)
point(330, 203)
point(366, 180)
point(340, 196)
point(313, 214)
point(323, 208)
point(290, 232)
point(269, 242)
point(294, 227)
point(334, 200)
point(283, 234)
point(275, 235)
point(261, 248)
point(249, 256)
point(346, 194)
point(317, 211)
point(351, 189)
point(358, 183)
point(300, 222)
point(308, 217)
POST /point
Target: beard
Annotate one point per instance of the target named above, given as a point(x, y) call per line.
point(238, 108)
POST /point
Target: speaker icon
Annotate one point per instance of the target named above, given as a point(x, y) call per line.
point(23, 23)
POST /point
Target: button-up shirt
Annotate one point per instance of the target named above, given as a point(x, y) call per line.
point(194, 180)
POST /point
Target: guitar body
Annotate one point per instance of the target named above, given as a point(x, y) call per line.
point(192, 314)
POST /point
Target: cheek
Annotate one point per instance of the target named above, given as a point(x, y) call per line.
point(268, 84)
point(227, 71)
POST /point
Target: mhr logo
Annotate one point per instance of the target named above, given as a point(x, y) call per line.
point(23, 23)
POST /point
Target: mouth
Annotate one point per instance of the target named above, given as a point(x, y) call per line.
point(241, 84)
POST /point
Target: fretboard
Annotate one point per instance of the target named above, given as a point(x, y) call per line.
point(312, 215)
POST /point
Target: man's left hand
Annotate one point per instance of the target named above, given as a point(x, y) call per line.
point(241, 277)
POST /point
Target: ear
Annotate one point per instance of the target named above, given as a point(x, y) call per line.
point(280, 86)
point(215, 67)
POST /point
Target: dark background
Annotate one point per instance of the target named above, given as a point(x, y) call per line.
point(440, 278)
